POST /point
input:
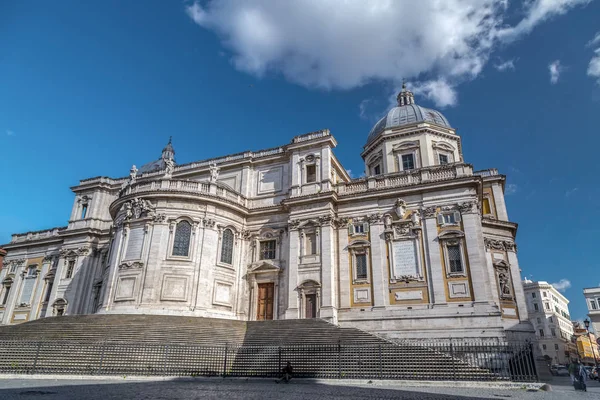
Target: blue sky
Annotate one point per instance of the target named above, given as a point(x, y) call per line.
point(89, 89)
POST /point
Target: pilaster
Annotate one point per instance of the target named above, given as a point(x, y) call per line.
point(328, 284)
point(434, 263)
point(475, 249)
point(379, 266)
point(292, 310)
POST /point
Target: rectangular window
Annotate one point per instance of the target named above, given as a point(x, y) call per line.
point(361, 266)
point(541, 333)
point(533, 295)
point(535, 307)
point(311, 173)
point(5, 294)
point(359, 229)
point(593, 304)
point(408, 162)
point(556, 309)
point(454, 259)
point(267, 249)
point(70, 268)
point(539, 320)
point(550, 319)
point(486, 207)
point(311, 243)
point(31, 270)
point(547, 306)
point(84, 208)
point(443, 159)
point(555, 346)
point(48, 292)
point(544, 294)
point(377, 170)
point(553, 332)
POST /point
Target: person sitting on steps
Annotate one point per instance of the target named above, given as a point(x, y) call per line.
point(286, 373)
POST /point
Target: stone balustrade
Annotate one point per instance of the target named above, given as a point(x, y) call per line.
point(487, 172)
point(405, 178)
point(192, 187)
point(38, 235)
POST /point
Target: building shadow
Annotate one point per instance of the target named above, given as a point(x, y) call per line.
point(197, 388)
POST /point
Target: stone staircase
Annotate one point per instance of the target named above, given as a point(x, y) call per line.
point(171, 345)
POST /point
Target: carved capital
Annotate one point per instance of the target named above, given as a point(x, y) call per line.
point(468, 207)
point(342, 222)
point(374, 218)
point(429, 212)
point(325, 220)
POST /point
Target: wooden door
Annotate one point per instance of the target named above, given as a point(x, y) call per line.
point(311, 306)
point(264, 307)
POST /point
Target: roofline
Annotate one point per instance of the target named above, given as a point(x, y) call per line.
point(247, 155)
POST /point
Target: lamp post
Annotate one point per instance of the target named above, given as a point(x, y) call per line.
point(587, 328)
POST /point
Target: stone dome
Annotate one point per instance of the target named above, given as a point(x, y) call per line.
point(407, 113)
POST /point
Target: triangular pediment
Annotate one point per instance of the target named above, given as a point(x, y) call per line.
point(262, 267)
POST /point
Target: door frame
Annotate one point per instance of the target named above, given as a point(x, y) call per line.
point(258, 285)
point(263, 272)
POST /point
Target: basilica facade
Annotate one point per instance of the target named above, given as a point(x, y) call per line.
point(421, 246)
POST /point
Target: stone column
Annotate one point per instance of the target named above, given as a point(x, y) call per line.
point(292, 310)
point(499, 202)
point(435, 269)
point(329, 282)
point(475, 249)
point(379, 265)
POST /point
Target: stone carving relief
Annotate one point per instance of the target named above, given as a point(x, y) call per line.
point(374, 218)
point(159, 218)
point(429, 212)
point(131, 265)
point(325, 220)
point(208, 223)
point(502, 245)
point(138, 208)
point(400, 208)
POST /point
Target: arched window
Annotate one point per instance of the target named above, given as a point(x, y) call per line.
point(181, 243)
point(227, 247)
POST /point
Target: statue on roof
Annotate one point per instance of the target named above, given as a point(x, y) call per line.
point(214, 172)
point(169, 167)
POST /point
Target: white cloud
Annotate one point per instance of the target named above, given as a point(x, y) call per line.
point(363, 108)
point(562, 285)
point(555, 69)
point(440, 91)
point(570, 192)
point(594, 65)
point(10, 133)
point(537, 11)
point(510, 188)
point(506, 65)
point(342, 44)
point(594, 41)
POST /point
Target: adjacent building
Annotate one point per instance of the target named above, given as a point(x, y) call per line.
point(549, 314)
point(592, 299)
point(422, 246)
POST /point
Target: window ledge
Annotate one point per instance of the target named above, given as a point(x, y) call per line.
point(457, 275)
point(361, 282)
point(226, 266)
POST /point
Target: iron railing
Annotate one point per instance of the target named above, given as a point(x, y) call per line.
point(436, 360)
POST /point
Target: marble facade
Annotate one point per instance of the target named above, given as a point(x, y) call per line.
point(420, 247)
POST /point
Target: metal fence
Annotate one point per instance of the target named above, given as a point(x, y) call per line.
point(437, 360)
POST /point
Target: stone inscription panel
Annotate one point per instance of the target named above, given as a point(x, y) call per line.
point(135, 243)
point(412, 295)
point(405, 258)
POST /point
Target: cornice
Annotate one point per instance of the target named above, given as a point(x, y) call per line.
point(405, 131)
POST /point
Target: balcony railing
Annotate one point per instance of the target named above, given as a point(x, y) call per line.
point(192, 187)
point(405, 178)
point(38, 235)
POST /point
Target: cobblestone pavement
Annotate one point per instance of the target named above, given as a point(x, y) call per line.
point(241, 389)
